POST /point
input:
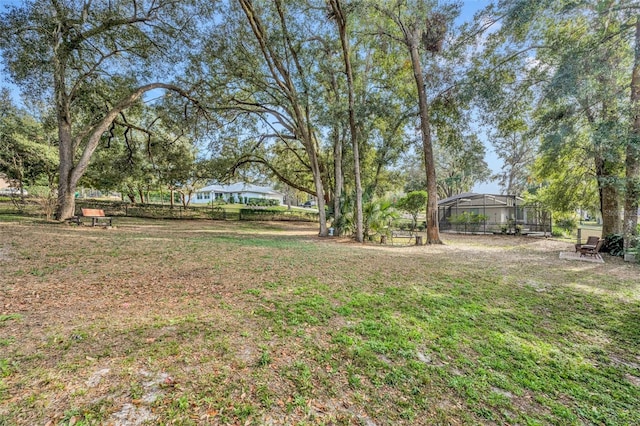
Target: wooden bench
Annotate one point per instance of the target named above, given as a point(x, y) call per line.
point(96, 215)
point(591, 242)
point(593, 251)
point(408, 235)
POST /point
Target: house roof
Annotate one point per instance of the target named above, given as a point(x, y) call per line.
point(239, 187)
point(473, 196)
point(458, 197)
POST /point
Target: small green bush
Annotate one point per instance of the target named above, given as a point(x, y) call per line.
point(468, 221)
point(266, 202)
point(567, 224)
point(614, 245)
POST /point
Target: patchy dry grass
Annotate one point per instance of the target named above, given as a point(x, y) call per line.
point(156, 322)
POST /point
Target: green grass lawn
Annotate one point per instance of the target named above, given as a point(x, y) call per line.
point(203, 322)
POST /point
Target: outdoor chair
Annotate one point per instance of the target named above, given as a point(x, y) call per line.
point(591, 242)
point(593, 251)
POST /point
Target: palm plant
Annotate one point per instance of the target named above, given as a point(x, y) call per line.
point(377, 214)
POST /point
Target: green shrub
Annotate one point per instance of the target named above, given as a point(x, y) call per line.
point(274, 214)
point(413, 203)
point(468, 221)
point(377, 215)
point(404, 226)
point(266, 202)
point(46, 198)
point(614, 245)
point(567, 224)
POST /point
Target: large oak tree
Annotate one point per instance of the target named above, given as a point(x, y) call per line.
point(92, 61)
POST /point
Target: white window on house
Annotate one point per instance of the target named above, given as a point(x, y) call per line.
point(207, 195)
point(199, 196)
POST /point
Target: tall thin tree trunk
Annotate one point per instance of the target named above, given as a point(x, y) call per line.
point(338, 176)
point(632, 162)
point(317, 180)
point(341, 19)
point(433, 229)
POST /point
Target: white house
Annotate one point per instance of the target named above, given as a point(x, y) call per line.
point(237, 193)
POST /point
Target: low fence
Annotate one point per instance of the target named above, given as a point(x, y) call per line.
point(154, 211)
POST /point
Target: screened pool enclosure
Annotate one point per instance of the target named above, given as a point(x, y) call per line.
point(486, 213)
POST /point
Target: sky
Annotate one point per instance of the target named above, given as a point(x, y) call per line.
point(4, 83)
point(469, 8)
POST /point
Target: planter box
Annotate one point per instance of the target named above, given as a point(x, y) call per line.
point(630, 257)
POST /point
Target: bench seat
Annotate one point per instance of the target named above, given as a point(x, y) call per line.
point(97, 217)
point(408, 235)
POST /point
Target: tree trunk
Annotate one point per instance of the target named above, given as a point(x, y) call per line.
point(632, 162)
point(344, 41)
point(66, 185)
point(338, 177)
point(609, 198)
point(317, 180)
point(610, 210)
point(433, 229)
point(66, 190)
point(66, 201)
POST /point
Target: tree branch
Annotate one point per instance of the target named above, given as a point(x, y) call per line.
point(94, 133)
point(260, 160)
